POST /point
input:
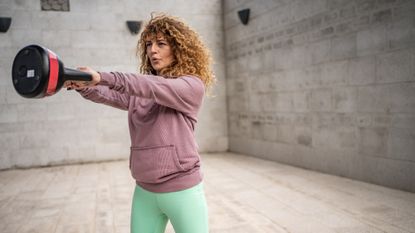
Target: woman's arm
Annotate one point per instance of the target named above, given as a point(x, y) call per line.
point(98, 94)
point(103, 95)
point(184, 94)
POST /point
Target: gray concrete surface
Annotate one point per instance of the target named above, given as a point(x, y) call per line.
point(245, 194)
point(328, 84)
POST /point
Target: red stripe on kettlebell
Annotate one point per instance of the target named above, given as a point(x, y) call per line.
point(53, 73)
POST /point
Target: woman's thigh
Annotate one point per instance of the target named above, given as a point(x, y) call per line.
point(187, 210)
point(146, 217)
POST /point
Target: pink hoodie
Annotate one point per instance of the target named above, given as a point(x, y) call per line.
point(162, 117)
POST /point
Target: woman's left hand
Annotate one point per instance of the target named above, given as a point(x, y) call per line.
point(78, 85)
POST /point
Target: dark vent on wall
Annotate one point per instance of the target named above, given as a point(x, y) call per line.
point(55, 5)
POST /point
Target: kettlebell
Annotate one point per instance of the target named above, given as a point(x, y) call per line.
point(37, 72)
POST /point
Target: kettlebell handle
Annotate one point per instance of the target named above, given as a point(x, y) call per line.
point(76, 75)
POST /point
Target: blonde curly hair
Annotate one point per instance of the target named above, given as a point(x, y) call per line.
point(191, 56)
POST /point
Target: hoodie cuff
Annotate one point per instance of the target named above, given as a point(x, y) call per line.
point(107, 79)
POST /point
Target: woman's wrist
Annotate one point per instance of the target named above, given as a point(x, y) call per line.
point(97, 78)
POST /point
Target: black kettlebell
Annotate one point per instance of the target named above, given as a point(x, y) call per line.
point(37, 72)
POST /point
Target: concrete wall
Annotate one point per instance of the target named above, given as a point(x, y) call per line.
point(327, 85)
point(65, 128)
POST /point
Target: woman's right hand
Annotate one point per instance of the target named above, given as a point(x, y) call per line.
point(70, 85)
point(79, 85)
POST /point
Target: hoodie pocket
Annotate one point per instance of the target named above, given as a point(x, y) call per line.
point(154, 164)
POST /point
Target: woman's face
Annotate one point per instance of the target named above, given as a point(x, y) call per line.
point(159, 52)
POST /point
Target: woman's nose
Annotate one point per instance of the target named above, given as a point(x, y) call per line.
point(153, 48)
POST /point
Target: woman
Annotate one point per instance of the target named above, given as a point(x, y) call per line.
point(162, 106)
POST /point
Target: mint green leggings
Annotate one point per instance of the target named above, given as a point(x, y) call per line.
point(186, 209)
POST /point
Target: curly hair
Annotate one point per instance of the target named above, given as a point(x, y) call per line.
point(191, 56)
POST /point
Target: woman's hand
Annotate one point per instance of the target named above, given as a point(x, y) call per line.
point(79, 85)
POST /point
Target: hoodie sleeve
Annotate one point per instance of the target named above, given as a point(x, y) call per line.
point(185, 94)
point(104, 95)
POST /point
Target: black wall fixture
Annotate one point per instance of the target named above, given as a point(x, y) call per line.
point(5, 23)
point(244, 16)
point(134, 26)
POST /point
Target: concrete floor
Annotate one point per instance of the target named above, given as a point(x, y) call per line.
point(244, 194)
